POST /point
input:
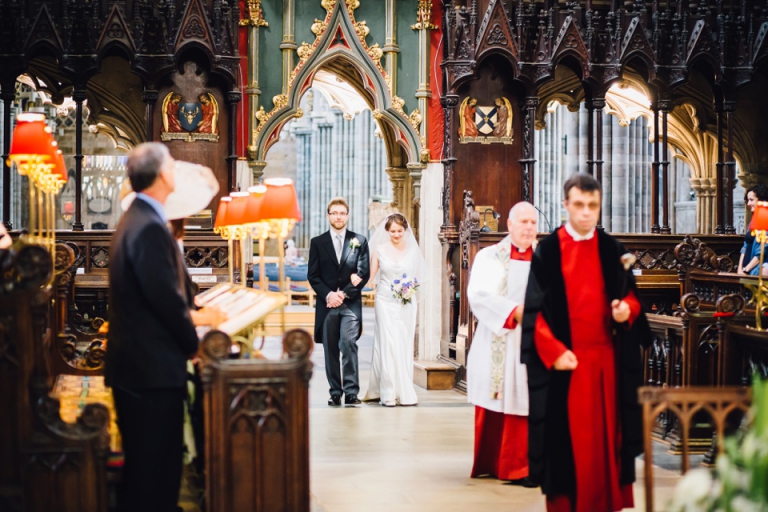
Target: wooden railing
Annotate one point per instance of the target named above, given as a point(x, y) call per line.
point(686, 404)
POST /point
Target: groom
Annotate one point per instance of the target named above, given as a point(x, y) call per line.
point(333, 257)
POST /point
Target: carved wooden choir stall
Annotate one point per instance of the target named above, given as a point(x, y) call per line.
point(255, 410)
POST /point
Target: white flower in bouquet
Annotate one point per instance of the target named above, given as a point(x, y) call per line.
point(405, 288)
point(694, 492)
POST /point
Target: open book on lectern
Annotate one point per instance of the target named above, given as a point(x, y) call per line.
point(244, 307)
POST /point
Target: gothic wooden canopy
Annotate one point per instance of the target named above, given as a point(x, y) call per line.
point(710, 55)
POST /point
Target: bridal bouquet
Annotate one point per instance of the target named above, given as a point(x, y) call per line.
point(405, 288)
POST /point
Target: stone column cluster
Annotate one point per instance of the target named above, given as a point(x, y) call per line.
point(337, 157)
point(561, 149)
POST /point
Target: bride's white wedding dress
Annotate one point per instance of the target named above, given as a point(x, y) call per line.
point(395, 325)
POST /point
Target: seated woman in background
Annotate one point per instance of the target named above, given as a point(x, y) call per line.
point(292, 254)
point(750, 251)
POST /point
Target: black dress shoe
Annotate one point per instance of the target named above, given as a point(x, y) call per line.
point(524, 482)
point(334, 400)
point(352, 400)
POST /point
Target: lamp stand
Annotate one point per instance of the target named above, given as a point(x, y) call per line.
point(230, 256)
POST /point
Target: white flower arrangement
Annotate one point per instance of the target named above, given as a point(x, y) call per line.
point(405, 288)
point(354, 243)
point(739, 482)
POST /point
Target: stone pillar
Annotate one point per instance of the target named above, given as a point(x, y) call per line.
point(288, 46)
point(706, 194)
point(401, 197)
point(415, 174)
point(431, 304)
point(254, 21)
point(606, 169)
point(619, 174)
point(390, 44)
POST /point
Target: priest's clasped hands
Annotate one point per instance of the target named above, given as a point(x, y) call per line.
point(620, 313)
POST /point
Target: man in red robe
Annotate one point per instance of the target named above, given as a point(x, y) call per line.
point(496, 379)
point(582, 332)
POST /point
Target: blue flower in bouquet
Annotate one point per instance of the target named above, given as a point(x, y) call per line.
point(405, 289)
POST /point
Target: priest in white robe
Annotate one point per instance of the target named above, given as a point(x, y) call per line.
point(496, 380)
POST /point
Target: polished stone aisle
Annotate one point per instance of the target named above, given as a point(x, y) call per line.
point(371, 458)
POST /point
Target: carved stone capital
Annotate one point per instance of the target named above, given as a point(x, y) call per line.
point(234, 97)
point(257, 168)
point(664, 105)
point(79, 95)
point(149, 96)
point(449, 100)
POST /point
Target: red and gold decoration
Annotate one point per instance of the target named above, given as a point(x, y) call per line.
point(485, 124)
point(190, 121)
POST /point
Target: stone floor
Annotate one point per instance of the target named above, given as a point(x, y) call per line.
point(372, 458)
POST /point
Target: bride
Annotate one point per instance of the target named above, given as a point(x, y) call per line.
point(397, 267)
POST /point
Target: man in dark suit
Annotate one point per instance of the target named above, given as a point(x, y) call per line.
point(334, 258)
point(151, 336)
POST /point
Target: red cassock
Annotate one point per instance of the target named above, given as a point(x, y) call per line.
point(592, 412)
point(501, 440)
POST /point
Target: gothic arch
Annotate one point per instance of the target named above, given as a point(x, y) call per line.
point(340, 47)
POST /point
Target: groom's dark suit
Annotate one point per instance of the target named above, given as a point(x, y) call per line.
point(338, 329)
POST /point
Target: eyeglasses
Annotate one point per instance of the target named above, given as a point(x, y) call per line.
point(337, 214)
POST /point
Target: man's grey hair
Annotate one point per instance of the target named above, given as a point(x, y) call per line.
point(145, 163)
point(519, 207)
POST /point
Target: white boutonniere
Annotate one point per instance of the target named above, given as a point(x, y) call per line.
point(354, 243)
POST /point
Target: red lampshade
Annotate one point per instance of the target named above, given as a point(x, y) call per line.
point(253, 204)
point(760, 217)
point(236, 209)
point(280, 201)
point(61, 168)
point(221, 213)
point(31, 137)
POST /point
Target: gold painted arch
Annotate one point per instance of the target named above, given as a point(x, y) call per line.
point(340, 48)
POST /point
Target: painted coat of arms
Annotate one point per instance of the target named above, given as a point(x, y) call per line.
point(190, 121)
point(485, 124)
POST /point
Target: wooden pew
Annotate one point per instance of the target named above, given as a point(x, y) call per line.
point(82, 293)
point(257, 426)
point(46, 464)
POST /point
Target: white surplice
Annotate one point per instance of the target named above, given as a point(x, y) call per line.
point(492, 306)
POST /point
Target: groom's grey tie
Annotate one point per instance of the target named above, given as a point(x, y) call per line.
point(337, 246)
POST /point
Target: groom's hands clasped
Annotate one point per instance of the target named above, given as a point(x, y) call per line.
point(335, 299)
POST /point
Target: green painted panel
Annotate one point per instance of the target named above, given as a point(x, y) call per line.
point(373, 13)
point(307, 11)
point(408, 58)
point(270, 56)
